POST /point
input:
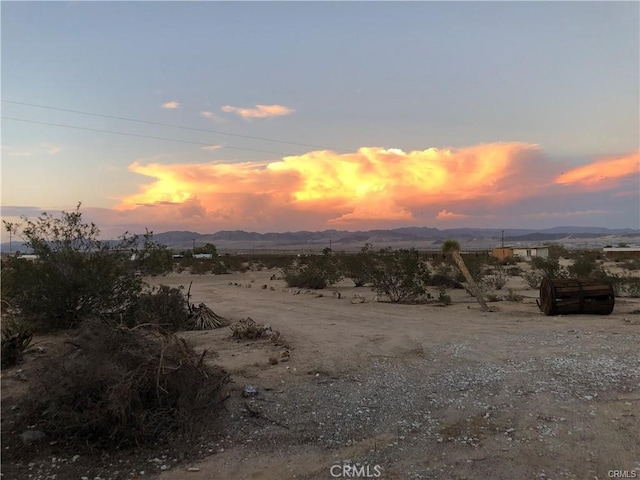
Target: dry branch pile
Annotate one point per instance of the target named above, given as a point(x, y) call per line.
point(203, 318)
point(119, 387)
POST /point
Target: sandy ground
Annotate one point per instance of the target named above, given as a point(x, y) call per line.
point(420, 391)
point(377, 390)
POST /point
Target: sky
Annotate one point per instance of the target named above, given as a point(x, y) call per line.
point(286, 116)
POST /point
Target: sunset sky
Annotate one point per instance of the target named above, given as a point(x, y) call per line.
point(306, 116)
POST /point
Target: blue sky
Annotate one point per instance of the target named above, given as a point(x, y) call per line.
point(559, 81)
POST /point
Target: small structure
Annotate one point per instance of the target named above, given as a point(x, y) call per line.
point(621, 252)
point(529, 253)
point(562, 296)
point(502, 253)
point(30, 257)
point(203, 255)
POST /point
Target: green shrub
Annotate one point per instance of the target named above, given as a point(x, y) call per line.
point(400, 275)
point(550, 267)
point(76, 275)
point(313, 271)
point(162, 306)
point(358, 267)
point(533, 279)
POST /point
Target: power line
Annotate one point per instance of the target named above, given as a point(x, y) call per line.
point(140, 136)
point(148, 122)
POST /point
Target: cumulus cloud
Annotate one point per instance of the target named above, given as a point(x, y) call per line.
point(260, 111)
point(360, 188)
point(172, 105)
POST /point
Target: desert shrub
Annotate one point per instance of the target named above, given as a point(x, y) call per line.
point(497, 279)
point(511, 296)
point(443, 297)
point(76, 275)
point(557, 251)
point(623, 285)
point(163, 306)
point(549, 267)
point(152, 258)
point(492, 297)
point(115, 387)
point(630, 264)
point(17, 336)
point(314, 271)
point(358, 267)
point(399, 275)
point(533, 279)
point(514, 271)
point(585, 266)
point(202, 266)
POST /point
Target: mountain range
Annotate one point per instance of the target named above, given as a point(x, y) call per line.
point(420, 237)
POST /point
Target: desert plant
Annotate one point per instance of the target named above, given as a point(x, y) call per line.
point(550, 267)
point(314, 271)
point(453, 247)
point(513, 296)
point(497, 279)
point(583, 267)
point(17, 336)
point(115, 387)
point(533, 278)
point(76, 275)
point(163, 306)
point(359, 267)
point(443, 297)
point(399, 275)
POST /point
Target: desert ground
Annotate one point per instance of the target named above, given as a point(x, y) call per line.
point(421, 391)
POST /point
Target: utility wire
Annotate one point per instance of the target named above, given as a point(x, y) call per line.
point(148, 122)
point(141, 136)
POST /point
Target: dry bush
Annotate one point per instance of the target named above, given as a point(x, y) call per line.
point(248, 329)
point(116, 387)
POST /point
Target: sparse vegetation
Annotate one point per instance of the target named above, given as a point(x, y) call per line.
point(75, 276)
point(359, 267)
point(399, 275)
point(116, 387)
point(313, 271)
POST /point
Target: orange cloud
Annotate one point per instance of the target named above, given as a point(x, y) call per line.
point(171, 105)
point(447, 215)
point(372, 184)
point(260, 111)
point(602, 171)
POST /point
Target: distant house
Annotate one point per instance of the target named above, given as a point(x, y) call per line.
point(530, 252)
point(203, 255)
point(621, 252)
point(29, 257)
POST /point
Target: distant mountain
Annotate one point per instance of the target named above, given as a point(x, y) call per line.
point(424, 237)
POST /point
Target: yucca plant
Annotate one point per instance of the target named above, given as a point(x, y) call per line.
point(452, 247)
point(17, 336)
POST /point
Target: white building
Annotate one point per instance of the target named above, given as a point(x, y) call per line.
point(530, 252)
